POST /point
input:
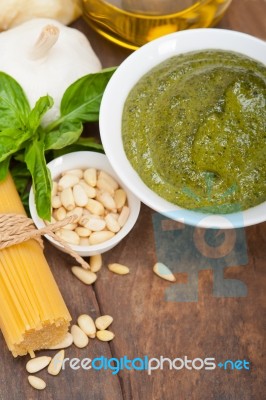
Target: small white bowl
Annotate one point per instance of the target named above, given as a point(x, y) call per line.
point(118, 88)
point(87, 159)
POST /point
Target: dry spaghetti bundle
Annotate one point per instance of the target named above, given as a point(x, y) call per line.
point(33, 313)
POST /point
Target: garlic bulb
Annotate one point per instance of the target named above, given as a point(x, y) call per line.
point(15, 12)
point(45, 57)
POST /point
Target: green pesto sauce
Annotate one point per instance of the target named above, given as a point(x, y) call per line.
point(194, 130)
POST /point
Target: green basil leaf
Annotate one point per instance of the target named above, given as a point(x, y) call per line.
point(11, 140)
point(41, 178)
point(41, 107)
point(4, 165)
point(81, 101)
point(68, 133)
point(14, 106)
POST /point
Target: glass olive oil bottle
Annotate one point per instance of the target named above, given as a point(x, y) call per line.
point(132, 23)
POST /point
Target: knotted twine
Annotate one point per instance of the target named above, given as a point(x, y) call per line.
point(17, 228)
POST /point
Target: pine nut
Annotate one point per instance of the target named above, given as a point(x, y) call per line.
point(95, 224)
point(118, 269)
point(120, 198)
point(105, 186)
point(36, 383)
point(103, 322)
point(69, 236)
point(82, 232)
point(67, 181)
point(100, 237)
point(67, 199)
point(56, 202)
point(90, 176)
point(107, 200)
point(78, 172)
point(79, 337)
point(80, 196)
point(76, 211)
point(105, 336)
point(87, 324)
point(95, 207)
point(96, 262)
point(37, 364)
point(60, 213)
point(84, 242)
point(114, 215)
point(65, 342)
point(54, 188)
point(122, 219)
point(112, 224)
point(56, 363)
point(164, 272)
point(70, 227)
point(90, 191)
point(84, 275)
point(112, 182)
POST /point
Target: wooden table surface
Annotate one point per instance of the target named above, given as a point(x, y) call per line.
point(216, 318)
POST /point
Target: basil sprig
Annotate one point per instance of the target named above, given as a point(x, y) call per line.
point(23, 138)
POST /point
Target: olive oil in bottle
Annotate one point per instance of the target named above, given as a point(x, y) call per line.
point(132, 23)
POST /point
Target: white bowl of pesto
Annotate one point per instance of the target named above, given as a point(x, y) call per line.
point(193, 150)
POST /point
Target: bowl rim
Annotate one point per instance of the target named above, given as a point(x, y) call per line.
point(55, 167)
point(143, 59)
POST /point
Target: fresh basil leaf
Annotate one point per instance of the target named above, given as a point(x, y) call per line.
point(41, 177)
point(14, 106)
point(68, 133)
point(41, 107)
point(81, 101)
point(11, 140)
point(4, 165)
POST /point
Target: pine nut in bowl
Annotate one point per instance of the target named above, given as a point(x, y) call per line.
point(187, 116)
point(86, 185)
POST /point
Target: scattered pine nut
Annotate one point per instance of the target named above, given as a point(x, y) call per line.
point(36, 383)
point(164, 272)
point(37, 364)
point(103, 322)
point(56, 363)
point(79, 337)
point(96, 262)
point(118, 269)
point(84, 275)
point(87, 324)
point(105, 336)
point(66, 342)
